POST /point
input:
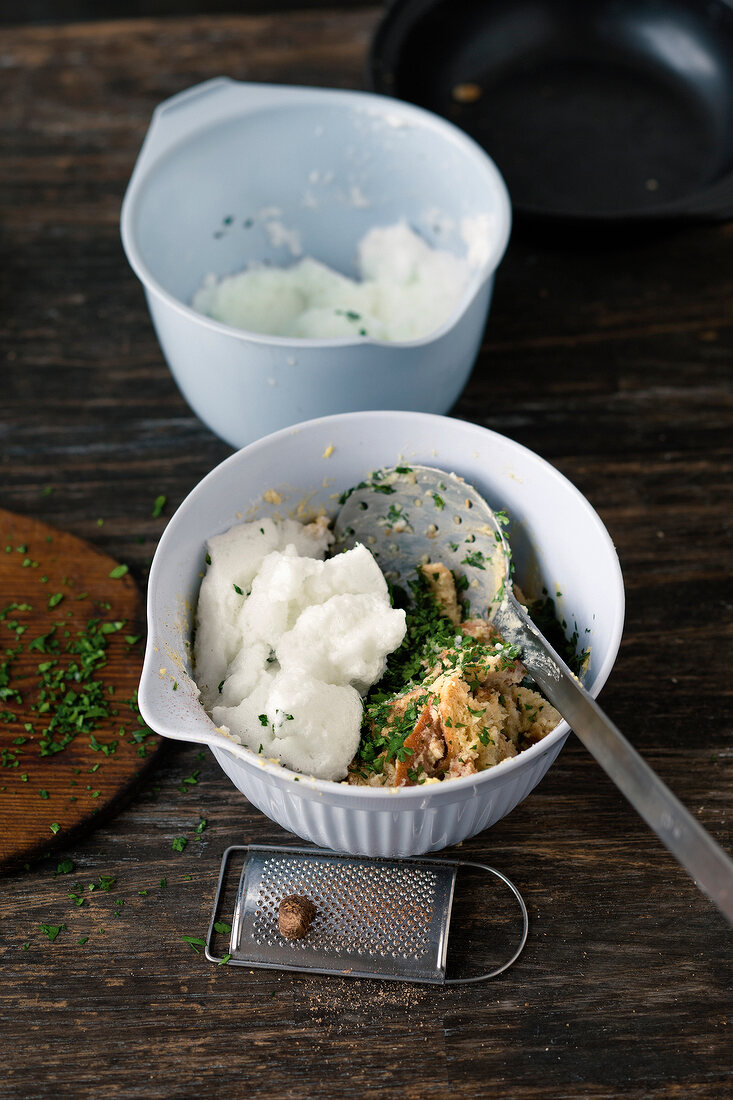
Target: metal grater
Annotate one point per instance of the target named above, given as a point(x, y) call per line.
point(375, 918)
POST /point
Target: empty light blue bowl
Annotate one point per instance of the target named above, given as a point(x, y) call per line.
point(231, 173)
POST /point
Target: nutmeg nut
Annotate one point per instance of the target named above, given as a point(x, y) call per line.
point(295, 916)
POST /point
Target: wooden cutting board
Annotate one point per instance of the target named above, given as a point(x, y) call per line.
point(72, 744)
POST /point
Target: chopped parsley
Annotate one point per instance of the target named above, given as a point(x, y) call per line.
point(476, 560)
point(65, 698)
point(104, 882)
point(544, 613)
point(195, 942)
point(52, 930)
point(429, 633)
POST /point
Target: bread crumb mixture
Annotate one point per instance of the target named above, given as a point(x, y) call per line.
point(454, 700)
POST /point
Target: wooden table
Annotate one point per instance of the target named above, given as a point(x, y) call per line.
point(610, 358)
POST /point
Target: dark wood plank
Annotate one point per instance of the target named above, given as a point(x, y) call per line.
point(611, 358)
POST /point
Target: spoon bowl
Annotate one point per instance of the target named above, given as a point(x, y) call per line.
point(408, 515)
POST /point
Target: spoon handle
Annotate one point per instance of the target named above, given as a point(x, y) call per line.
point(694, 848)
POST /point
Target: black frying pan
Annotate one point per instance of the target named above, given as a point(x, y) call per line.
point(592, 109)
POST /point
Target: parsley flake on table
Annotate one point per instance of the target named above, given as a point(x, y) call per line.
point(179, 843)
point(189, 781)
point(194, 942)
point(52, 930)
point(77, 895)
point(104, 882)
point(159, 505)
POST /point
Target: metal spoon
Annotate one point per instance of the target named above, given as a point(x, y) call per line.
point(411, 515)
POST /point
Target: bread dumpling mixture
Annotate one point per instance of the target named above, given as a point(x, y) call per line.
point(287, 643)
point(455, 700)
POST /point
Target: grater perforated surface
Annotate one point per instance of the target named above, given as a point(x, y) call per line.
point(378, 918)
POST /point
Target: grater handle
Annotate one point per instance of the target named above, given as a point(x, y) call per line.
point(219, 885)
point(525, 928)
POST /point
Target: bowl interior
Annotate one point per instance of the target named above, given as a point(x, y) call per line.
point(306, 178)
point(558, 540)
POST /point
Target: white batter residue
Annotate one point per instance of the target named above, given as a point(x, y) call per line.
point(406, 291)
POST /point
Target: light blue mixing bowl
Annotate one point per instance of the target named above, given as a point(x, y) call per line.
point(231, 173)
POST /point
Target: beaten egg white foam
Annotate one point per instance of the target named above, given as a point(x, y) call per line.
point(406, 291)
point(287, 643)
